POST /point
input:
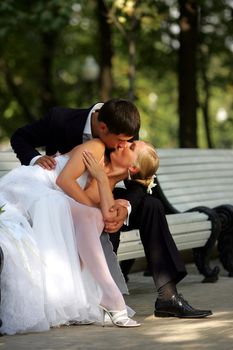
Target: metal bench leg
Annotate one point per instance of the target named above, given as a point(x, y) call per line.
point(225, 240)
point(202, 255)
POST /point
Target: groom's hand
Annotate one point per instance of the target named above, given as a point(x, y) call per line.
point(114, 225)
point(46, 162)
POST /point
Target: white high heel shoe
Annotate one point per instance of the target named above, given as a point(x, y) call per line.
point(118, 318)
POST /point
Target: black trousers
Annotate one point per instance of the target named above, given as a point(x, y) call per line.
point(161, 252)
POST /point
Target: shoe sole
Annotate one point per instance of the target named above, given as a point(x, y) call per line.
point(169, 314)
point(132, 326)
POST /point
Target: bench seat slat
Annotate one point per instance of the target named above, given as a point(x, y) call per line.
point(190, 168)
point(132, 240)
point(138, 253)
point(134, 254)
point(196, 160)
point(133, 249)
point(208, 190)
point(196, 244)
point(201, 197)
point(193, 152)
point(189, 228)
point(209, 204)
point(188, 244)
point(186, 217)
point(192, 237)
point(173, 178)
point(189, 183)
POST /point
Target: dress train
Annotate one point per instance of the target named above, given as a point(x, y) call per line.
point(43, 283)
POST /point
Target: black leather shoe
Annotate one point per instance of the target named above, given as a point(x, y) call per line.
point(177, 306)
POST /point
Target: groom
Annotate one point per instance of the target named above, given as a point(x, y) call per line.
point(115, 122)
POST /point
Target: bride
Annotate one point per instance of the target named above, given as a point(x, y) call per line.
point(54, 267)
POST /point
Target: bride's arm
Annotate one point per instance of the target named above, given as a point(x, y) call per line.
point(104, 190)
point(99, 193)
point(75, 167)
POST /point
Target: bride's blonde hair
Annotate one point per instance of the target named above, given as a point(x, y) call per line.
point(147, 162)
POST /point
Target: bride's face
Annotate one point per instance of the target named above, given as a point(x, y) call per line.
point(126, 156)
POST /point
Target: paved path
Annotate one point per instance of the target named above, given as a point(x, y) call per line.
point(215, 332)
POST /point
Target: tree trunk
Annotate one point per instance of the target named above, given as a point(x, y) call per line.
point(106, 52)
point(204, 59)
point(18, 95)
point(187, 74)
point(46, 90)
point(205, 104)
point(132, 68)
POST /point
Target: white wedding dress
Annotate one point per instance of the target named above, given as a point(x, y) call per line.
point(43, 282)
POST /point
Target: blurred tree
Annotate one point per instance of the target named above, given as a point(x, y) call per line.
point(215, 54)
point(44, 46)
point(28, 34)
point(128, 17)
point(106, 51)
point(187, 73)
point(123, 15)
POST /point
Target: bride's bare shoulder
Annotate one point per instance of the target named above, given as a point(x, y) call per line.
point(95, 142)
point(94, 145)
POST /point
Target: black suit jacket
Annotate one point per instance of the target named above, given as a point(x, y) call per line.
point(60, 130)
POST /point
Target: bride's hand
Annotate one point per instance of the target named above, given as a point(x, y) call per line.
point(93, 166)
point(114, 225)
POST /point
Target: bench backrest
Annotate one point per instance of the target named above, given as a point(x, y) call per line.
point(194, 177)
point(8, 161)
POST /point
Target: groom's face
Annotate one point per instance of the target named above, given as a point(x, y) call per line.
point(112, 140)
point(115, 141)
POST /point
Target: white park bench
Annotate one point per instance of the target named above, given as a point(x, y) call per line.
point(194, 229)
point(190, 178)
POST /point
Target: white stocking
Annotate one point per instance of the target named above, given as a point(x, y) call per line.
point(88, 223)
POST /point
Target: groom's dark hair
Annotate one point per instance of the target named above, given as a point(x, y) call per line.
point(121, 117)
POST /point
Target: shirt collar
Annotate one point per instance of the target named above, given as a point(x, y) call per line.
point(87, 128)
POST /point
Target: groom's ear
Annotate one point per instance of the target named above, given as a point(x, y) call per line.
point(103, 128)
point(133, 169)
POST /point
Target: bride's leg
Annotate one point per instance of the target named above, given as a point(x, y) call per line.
point(88, 224)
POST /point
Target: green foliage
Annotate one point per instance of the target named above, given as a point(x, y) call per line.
point(42, 15)
point(65, 32)
point(122, 12)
